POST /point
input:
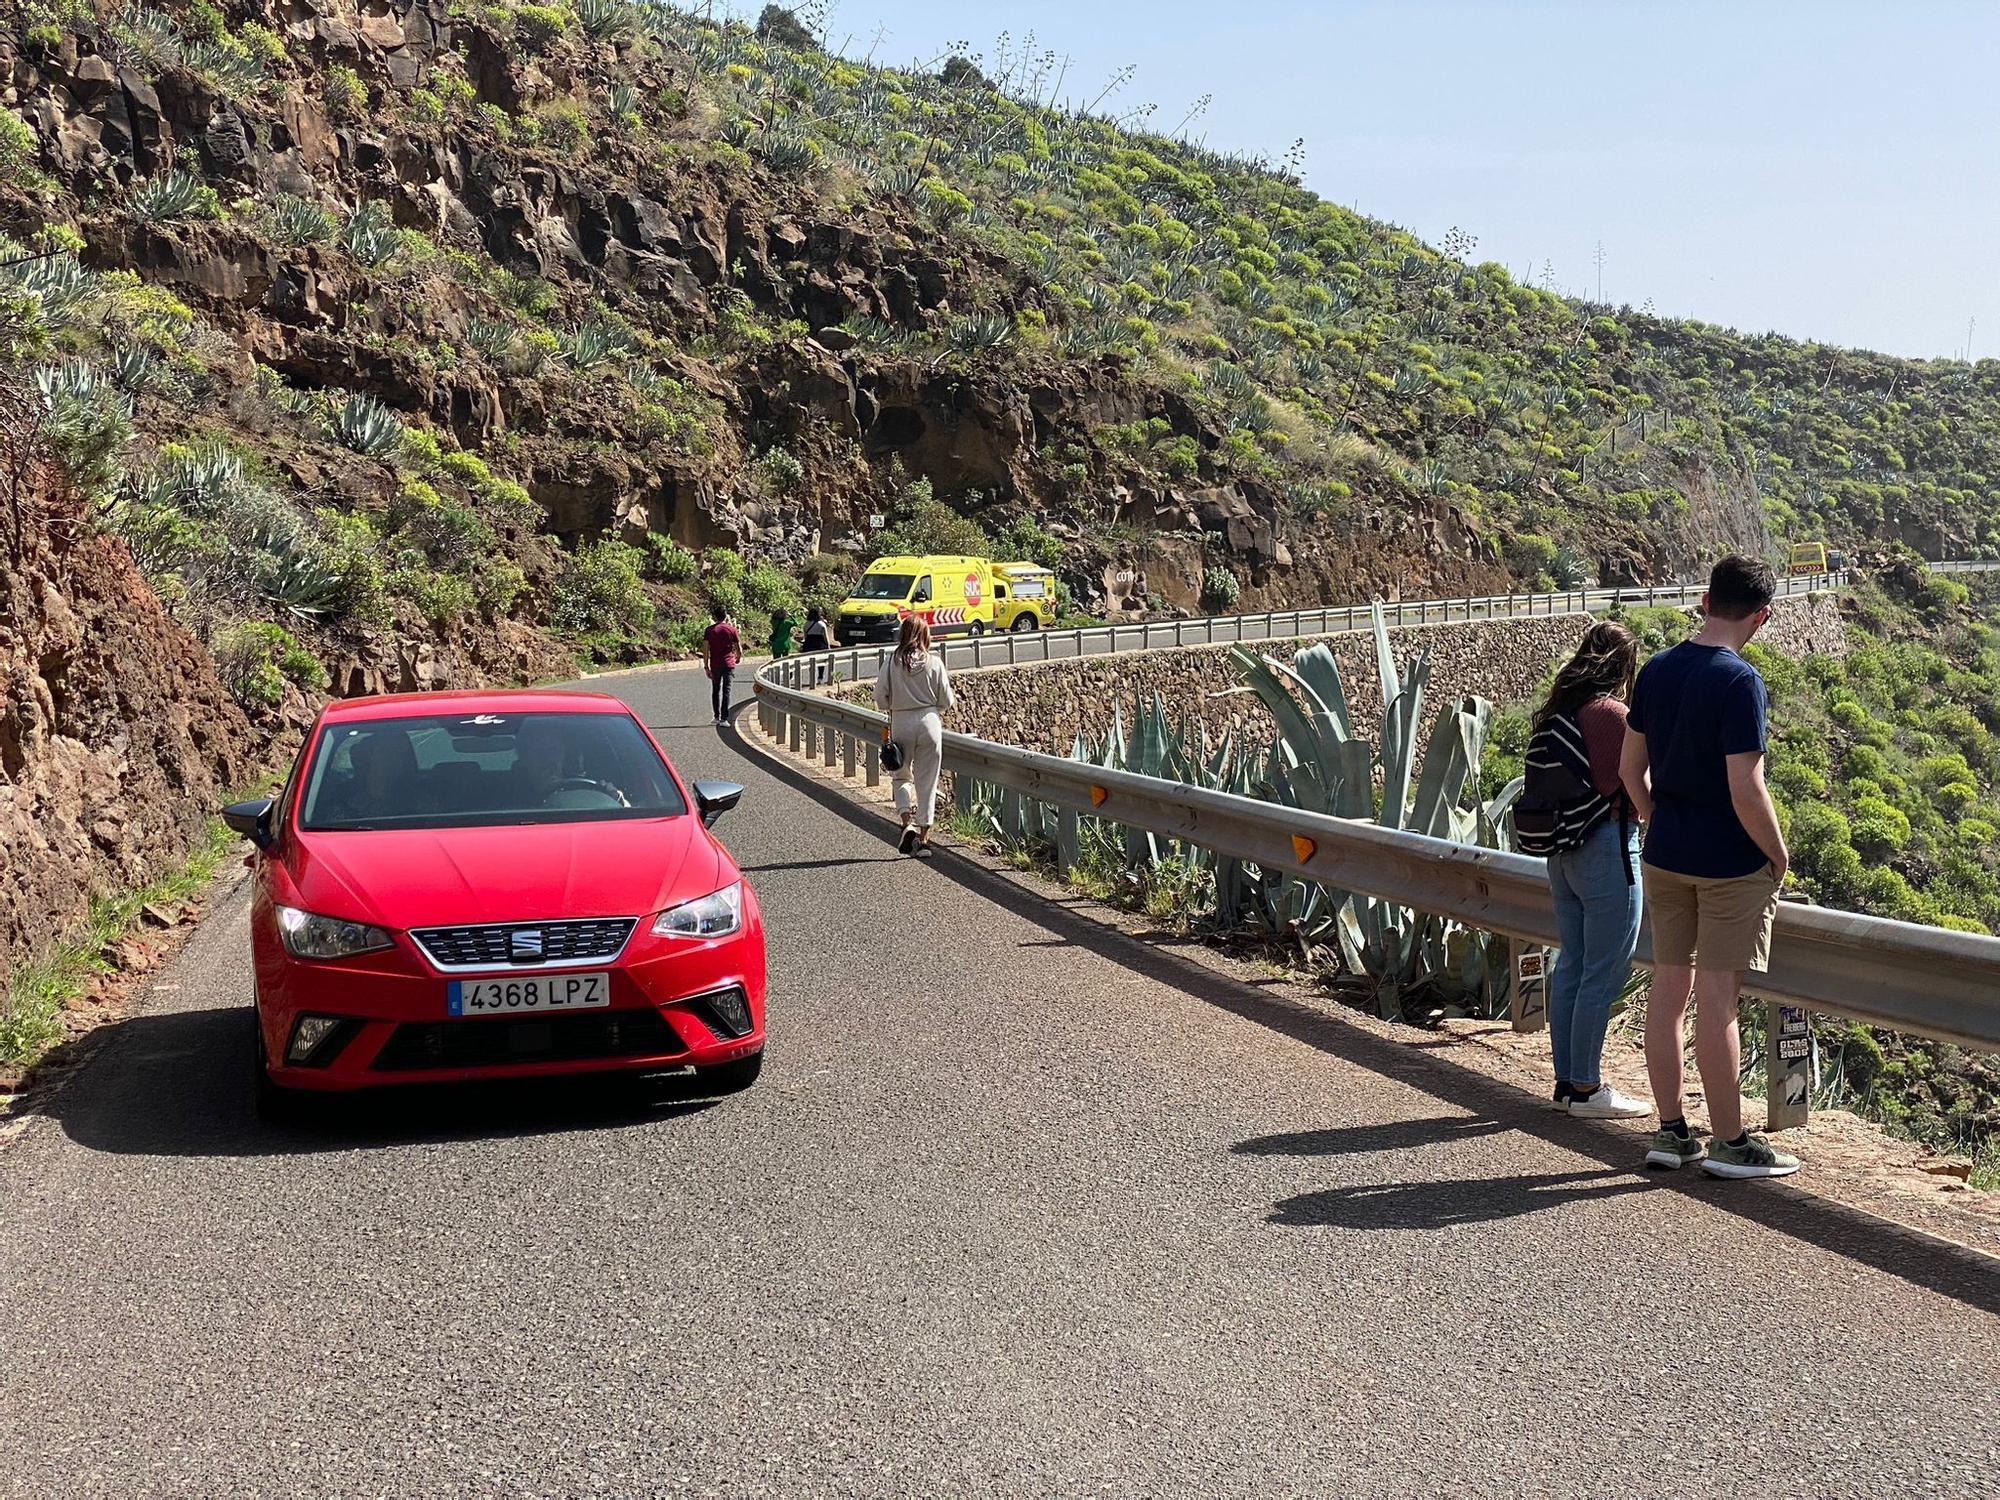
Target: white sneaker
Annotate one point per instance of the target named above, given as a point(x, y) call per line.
point(1608, 1104)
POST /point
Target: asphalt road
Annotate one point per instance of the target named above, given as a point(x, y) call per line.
point(1020, 1207)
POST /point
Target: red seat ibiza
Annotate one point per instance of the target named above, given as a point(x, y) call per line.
point(483, 885)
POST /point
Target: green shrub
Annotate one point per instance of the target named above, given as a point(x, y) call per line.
point(767, 589)
point(668, 560)
point(1219, 590)
point(257, 659)
point(779, 473)
point(600, 592)
point(19, 147)
point(540, 25)
point(723, 565)
point(345, 94)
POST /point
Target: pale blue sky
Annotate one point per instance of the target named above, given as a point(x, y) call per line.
point(1826, 169)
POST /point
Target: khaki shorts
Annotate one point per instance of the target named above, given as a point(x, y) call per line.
point(1717, 925)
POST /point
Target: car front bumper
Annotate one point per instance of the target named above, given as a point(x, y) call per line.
point(668, 1008)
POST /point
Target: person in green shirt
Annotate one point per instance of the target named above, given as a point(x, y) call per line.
point(781, 632)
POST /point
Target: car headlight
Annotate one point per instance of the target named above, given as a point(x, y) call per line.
point(308, 935)
point(711, 916)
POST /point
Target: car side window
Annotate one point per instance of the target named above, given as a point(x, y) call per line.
point(922, 595)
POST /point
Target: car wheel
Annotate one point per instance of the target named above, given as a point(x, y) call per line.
point(978, 629)
point(275, 1103)
point(1027, 622)
point(731, 1077)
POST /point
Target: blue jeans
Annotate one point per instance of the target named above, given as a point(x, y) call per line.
point(1597, 914)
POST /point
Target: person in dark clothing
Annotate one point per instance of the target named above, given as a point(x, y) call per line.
point(722, 650)
point(1597, 897)
point(1715, 861)
point(818, 637)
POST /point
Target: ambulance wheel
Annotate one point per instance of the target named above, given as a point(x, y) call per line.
point(1027, 622)
point(978, 629)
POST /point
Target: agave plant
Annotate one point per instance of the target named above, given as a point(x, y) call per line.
point(978, 333)
point(492, 338)
point(739, 132)
point(1572, 570)
point(591, 344)
point(1320, 765)
point(133, 367)
point(623, 102)
point(299, 221)
point(204, 480)
point(369, 235)
point(174, 194)
point(147, 35)
point(57, 286)
point(607, 20)
point(366, 426)
point(233, 69)
point(792, 153)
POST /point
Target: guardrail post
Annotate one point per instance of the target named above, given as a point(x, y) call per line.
point(1527, 985)
point(847, 756)
point(828, 749)
point(798, 734)
point(871, 762)
point(1788, 1049)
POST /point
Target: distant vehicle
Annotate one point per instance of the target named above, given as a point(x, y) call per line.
point(1808, 558)
point(1024, 596)
point(499, 884)
point(958, 595)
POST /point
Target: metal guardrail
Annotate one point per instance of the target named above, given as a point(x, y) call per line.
point(1899, 975)
point(1016, 648)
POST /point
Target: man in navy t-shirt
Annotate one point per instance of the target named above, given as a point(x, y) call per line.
point(1714, 861)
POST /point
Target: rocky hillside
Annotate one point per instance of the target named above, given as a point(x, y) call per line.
point(458, 341)
point(115, 735)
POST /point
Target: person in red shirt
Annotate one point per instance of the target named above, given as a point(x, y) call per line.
point(721, 650)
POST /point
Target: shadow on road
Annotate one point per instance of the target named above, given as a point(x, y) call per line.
point(1442, 1205)
point(818, 864)
point(1394, 1135)
point(1917, 1258)
point(179, 1085)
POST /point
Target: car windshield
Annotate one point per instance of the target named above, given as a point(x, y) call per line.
point(485, 770)
point(884, 586)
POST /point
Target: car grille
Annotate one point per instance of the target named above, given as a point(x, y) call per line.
point(496, 947)
point(540, 1039)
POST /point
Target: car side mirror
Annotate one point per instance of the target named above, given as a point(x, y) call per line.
point(252, 820)
point(715, 798)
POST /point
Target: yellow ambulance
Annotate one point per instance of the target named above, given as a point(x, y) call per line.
point(1024, 596)
point(958, 595)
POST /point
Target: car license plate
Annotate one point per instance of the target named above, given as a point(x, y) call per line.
point(537, 992)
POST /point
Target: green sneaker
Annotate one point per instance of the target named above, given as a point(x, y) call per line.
point(1754, 1158)
point(1672, 1151)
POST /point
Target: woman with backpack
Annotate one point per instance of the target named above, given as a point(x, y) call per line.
point(1574, 810)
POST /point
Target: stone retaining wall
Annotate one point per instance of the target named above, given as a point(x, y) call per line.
point(1044, 705)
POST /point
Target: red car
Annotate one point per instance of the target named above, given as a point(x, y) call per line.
point(495, 885)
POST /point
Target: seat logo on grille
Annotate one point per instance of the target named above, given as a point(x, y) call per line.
point(524, 943)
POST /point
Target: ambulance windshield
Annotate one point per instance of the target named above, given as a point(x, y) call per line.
point(883, 586)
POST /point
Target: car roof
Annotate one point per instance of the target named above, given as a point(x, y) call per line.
point(486, 701)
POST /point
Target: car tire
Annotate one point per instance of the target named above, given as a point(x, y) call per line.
point(731, 1077)
point(1026, 623)
point(276, 1104)
point(978, 629)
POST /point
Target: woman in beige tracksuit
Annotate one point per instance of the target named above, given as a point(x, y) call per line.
point(915, 690)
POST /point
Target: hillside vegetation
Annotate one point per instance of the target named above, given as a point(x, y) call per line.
point(427, 342)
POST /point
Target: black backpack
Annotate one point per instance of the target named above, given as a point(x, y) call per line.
point(1560, 805)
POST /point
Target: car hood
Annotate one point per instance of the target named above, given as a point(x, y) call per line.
point(452, 876)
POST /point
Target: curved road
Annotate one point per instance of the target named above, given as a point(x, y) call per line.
point(1021, 1207)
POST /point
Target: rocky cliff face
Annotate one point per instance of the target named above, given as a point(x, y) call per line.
point(116, 738)
point(525, 203)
